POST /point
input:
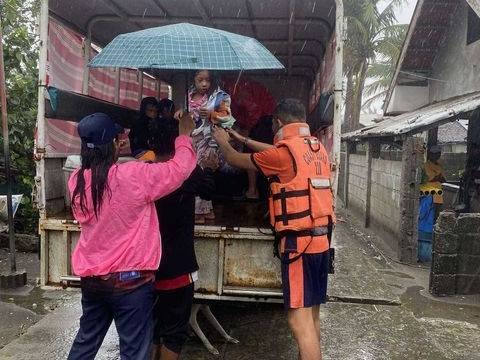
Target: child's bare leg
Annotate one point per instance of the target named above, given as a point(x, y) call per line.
point(167, 354)
point(155, 352)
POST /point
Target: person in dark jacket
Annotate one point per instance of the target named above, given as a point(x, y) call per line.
point(174, 284)
point(140, 133)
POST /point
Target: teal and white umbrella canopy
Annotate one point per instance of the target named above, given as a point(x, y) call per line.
point(188, 47)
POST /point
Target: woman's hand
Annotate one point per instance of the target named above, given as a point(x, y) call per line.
point(178, 114)
point(236, 136)
point(186, 124)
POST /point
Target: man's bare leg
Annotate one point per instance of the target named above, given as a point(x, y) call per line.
point(316, 320)
point(302, 323)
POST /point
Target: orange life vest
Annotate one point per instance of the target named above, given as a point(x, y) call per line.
point(305, 202)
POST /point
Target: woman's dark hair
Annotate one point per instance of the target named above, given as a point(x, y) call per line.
point(99, 160)
point(145, 102)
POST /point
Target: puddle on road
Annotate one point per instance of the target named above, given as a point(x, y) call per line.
point(37, 300)
point(424, 307)
point(397, 274)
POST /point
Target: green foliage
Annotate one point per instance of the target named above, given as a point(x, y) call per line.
point(20, 56)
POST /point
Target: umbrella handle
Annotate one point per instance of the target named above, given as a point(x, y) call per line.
point(187, 107)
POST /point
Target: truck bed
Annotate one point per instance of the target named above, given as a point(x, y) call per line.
point(231, 213)
point(228, 213)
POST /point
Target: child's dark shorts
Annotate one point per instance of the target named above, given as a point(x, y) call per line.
point(171, 316)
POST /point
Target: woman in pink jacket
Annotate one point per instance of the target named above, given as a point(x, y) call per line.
point(119, 247)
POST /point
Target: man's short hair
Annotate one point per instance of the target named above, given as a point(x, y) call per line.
point(290, 111)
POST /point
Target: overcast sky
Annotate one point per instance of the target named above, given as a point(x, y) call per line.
point(405, 13)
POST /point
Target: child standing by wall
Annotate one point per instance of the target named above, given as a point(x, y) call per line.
point(209, 106)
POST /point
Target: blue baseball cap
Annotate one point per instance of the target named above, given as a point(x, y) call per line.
point(98, 129)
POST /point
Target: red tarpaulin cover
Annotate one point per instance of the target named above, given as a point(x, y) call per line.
point(250, 101)
point(65, 66)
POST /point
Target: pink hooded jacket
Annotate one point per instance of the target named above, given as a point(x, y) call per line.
point(126, 234)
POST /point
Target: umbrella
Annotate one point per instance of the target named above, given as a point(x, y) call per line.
point(188, 47)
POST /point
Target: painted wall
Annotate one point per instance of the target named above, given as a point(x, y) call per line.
point(408, 98)
point(457, 64)
point(385, 196)
point(357, 183)
point(386, 179)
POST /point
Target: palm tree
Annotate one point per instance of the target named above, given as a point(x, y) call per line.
point(381, 72)
point(371, 34)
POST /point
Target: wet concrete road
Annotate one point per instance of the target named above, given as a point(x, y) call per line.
point(350, 331)
point(414, 326)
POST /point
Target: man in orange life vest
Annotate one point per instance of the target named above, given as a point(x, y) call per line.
point(301, 212)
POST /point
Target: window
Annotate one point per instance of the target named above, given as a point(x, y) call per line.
point(473, 27)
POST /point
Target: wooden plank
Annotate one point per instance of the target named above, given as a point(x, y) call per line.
point(44, 258)
point(68, 251)
point(368, 190)
point(346, 174)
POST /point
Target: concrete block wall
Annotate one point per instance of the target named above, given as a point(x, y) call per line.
point(456, 255)
point(357, 183)
point(385, 194)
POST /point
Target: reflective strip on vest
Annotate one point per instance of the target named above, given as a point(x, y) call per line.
point(320, 183)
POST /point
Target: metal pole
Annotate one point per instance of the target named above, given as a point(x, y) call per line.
point(39, 149)
point(6, 150)
point(337, 120)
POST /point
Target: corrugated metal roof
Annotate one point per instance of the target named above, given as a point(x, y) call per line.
point(475, 5)
point(419, 120)
point(430, 24)
point(452, 133)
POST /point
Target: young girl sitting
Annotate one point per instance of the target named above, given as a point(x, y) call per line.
point(209, 105)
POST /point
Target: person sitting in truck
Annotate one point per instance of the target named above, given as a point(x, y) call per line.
point(119, 248)
point(175, 277)
point(166, 109)
point(140, 133)
point(262, 132)
point(301, 214)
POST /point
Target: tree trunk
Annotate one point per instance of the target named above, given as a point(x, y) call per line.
point(358, 96)
point(349, 104)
